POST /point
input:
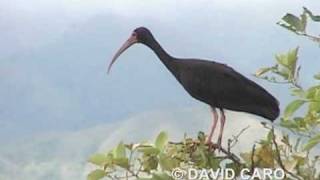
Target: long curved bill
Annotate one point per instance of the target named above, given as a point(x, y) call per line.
point(132, 40)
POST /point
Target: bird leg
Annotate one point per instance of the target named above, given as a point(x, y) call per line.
point(214, 124)
point(222, 120)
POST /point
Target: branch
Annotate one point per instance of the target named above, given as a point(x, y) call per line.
point(279, 157)
point(313, 38)
point(228, 154)
point(252, 158)
point(232, 142)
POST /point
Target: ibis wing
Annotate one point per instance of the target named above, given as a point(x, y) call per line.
point(220, 86)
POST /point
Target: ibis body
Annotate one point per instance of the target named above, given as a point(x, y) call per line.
point(216, 84)
point(220, 86)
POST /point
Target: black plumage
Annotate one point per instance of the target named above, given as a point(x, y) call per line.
point(213, 83)
point(220, 86)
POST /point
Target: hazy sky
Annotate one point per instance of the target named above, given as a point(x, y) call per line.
point(54, 56)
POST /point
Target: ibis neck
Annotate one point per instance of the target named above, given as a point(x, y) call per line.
point(166, 59)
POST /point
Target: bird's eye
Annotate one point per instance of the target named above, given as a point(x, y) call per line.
point(134, 34)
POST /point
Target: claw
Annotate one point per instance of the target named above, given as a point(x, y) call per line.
point(211, 146)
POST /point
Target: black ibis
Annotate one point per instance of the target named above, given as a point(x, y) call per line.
point(216, 84)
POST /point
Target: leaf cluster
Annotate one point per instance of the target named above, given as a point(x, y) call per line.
point(298, 24)
point(154, 160)
point(302, 114)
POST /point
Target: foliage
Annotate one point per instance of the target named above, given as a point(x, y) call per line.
point(307, 100)
point(292, 150)
point(157, 160)
point(298, 25)
point(306, 123)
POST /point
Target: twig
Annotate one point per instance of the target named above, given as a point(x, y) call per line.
point(313, 38)
point(228, 154)
point(252, 158)
point(273, 81)
point(232, 142)
point(279, 157)
point(139, 169)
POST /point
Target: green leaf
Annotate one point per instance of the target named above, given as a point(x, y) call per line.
point(122, 162)
point(312, 142)
point(298, 92)
point(167, 163)
point(148, 150)
point(120, 151)
point(313, 17)
point(150, 162)
point(201, 136)
point(270, 136)
point(288, 124)
point(265, 156)
point(289, 62)
point(200, 156)
point(292, 57)
point(284, 72)
point(303, 21)
point(314, 107)
point(293, 107)
point(161, 140)
point(288, 27)
point(294, 21)
point(96, 174)
point(282, 59)
point(317, 95)
point(310, 93)
point(262, 71)
point(99, 159)
point(291, 19)
point(214, 162)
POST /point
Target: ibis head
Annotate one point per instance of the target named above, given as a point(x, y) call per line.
point(139, 35)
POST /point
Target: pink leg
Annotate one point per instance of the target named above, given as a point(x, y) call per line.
point(214, 124)
point(222, 119)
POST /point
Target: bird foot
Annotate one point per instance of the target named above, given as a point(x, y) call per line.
point(213, 146)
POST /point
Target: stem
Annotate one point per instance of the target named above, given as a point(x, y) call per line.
point(252, 158)
point(279, 157)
